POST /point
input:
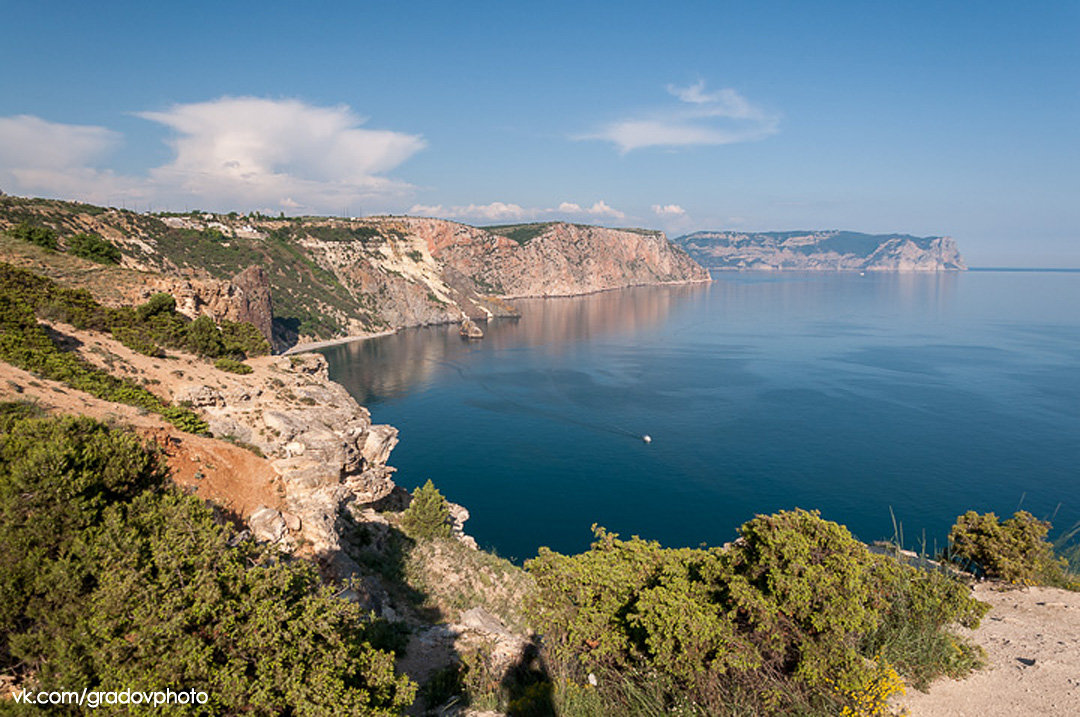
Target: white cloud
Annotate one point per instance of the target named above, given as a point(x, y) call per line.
point(598, 209)
point(496, 211)
point(668, 210)
point(244, 151)
point(703, 118)
point(431, 210)
point(503, 211)
point(233, 152)
point(42, 157)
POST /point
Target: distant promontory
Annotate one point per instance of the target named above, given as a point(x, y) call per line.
point(821, 250)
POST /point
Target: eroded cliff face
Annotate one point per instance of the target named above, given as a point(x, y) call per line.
point(246, 297)
point(562, 260)
point(321, 443)
point(331, 278)
point(830, 251)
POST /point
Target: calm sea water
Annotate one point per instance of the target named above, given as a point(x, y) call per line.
point(929, 394)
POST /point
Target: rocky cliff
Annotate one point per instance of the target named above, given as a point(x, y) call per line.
point(331, 277)
point(559, 259)
point(825, 250)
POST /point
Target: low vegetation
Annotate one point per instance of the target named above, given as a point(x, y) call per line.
point(94, 248)
point(110, 579)
point(144, 328)
point(794, 617)
point(43, 237)
point(1014, 550)
point(26, 344)
point(232, 366)
point(521, 233)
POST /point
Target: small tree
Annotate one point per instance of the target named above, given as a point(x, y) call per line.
point(428, 515)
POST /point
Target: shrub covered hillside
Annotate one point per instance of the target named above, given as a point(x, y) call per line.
point(110, 579)
point(795, 617)
point(25, 296)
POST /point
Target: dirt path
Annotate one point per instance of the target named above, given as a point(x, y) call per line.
point(1032, 643)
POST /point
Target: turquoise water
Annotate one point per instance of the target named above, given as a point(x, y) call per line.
point(929, 394)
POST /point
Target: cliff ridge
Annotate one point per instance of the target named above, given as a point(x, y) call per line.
point(822, 251)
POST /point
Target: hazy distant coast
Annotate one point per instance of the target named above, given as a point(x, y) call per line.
point(821, 251)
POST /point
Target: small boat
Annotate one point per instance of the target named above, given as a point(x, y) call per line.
point(646, 438)
point(469, 330)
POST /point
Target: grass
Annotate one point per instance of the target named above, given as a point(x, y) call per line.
point(454, 577)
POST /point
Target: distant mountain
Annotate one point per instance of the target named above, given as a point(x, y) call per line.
point(821, 250)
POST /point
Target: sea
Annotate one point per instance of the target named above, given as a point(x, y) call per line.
point(889, 402)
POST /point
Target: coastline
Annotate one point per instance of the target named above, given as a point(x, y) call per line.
point(679, 282)
point(315, 345)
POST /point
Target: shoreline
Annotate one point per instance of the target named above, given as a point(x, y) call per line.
point(316, 345)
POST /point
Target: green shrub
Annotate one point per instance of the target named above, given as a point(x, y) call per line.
point(428, 515)
point(1014, 550)
point(111, 579)
point(136, 341)
point(242, 339)
point(157, 305)
point(795, 616)
point(94, 248)
point(203, 338)
point(41, 236)
point(232, 366)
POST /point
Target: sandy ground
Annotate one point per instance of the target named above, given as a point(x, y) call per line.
point(1032, 643)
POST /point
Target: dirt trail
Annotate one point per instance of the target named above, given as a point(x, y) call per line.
point(1032, 643)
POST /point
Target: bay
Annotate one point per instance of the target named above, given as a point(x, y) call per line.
point(926, 394)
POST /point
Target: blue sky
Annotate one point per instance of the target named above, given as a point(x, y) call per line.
point(927, 118)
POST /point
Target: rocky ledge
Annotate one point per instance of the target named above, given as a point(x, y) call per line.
point(321, 442)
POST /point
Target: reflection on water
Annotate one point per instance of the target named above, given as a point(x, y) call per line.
point(927, 394)
point(390, 366)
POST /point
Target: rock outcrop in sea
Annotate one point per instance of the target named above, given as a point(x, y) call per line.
point(824, 250)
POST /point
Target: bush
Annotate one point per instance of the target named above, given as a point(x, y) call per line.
point(136, 341)
point(94, 248)
point(1013, 550)
point(41, 236)
point(232, 366)
point(113, 580)
point(203, 338)
point(157, 305)
point(243, 340)
point(795, 616)
point(428, 515)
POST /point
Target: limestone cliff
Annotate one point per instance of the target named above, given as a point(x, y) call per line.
point(827, 250)
point(332, 277)
point(561, 259)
